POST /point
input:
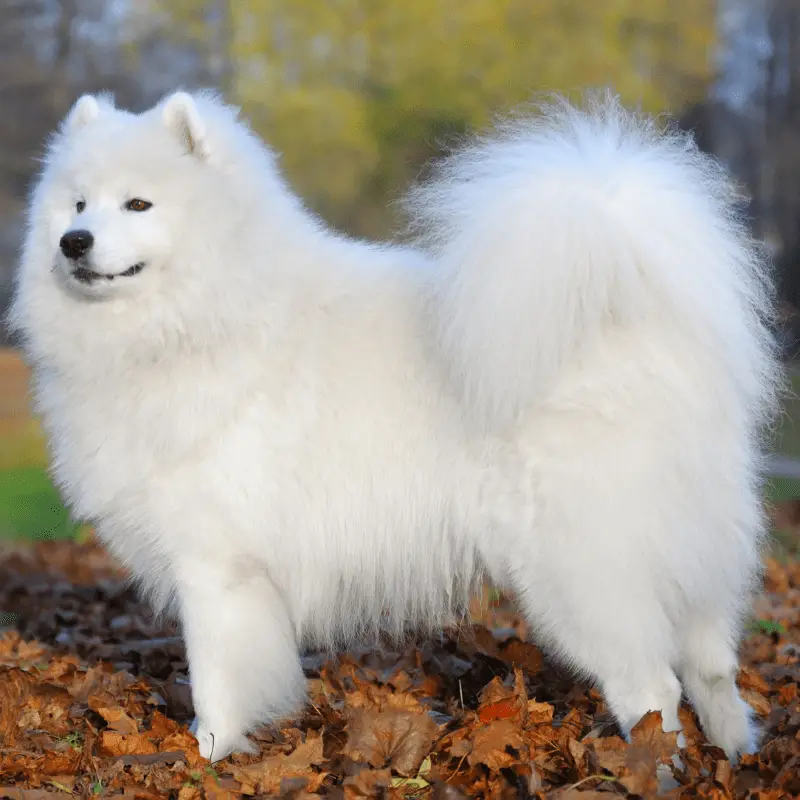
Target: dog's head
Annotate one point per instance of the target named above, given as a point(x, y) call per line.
point(118, 190)
point(143, 228)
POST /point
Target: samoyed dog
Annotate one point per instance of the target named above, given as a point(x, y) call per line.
point(295, 439)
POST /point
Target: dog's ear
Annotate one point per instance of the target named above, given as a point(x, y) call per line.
point(181, 116)
point(85, 110)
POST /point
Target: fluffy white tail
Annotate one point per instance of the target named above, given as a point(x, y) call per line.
point(570, 220)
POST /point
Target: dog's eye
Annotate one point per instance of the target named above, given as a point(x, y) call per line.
point(80, 205)
point(138, 205)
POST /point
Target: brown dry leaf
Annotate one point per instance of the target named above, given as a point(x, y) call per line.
point(182, 741)
point(64, 782)
point(59, 763)
point(402, 701)
point(368, 783)
point(15, 688)
point(266, 776)
point(634, 767)
point(14, 648)
point(649, 734)
point(691, 728)
point(499, 701)
point(635, 764)
point(757, 702)
point(722, 774)
point(523, 654)
point(750, 678)
point(82, 684)
point(497, 745)
point(570, 727)
point(391, 738)
point(495, 691)
point(578, 751)
point(611, 752)
point(56, 746)
point(460, 744)
point(788, 694)
point(111, 743)
point(540, 713)
point(214, 789)
point(112, 712)
point(29, 704)
point(401, 681)
point(502, 709)
point(639, 775)
point(381, 697)
point(161, 726)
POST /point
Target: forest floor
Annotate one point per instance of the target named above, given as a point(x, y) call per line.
point(95, 702)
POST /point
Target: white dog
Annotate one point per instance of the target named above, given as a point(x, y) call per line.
point(296, 439)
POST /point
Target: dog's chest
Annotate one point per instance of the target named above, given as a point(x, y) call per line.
point(113, 439)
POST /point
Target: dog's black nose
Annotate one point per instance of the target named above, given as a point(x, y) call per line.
point(75, 244)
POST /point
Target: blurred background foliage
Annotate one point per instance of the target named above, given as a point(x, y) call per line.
point(359, 96)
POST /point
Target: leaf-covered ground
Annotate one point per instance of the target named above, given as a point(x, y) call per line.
point(95, 701)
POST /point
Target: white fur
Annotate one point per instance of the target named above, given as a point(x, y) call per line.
point(297, 439)
point(180, 114)
point(86, 109)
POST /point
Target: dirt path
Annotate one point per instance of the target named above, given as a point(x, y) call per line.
point(14, 377)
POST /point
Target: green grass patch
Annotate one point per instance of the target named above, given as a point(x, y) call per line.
point(766, 626)
point(30, 506)
point(787, 433)
point(779, 489)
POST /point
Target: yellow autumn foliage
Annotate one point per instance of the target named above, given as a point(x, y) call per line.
point(358, 95)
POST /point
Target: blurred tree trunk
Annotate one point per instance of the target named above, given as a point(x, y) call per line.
point(754, 121)
point(781, 182)
point(739, 103)
point(63, 33)
point(220, 67)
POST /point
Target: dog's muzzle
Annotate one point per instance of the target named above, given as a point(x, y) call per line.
point(85, 275)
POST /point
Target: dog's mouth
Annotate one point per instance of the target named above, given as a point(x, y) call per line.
point(89, 276)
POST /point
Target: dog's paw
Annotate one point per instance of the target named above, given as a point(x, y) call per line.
point(217, 744)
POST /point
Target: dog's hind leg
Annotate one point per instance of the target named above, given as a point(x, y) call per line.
point(621, 640)
point(708, 670)
point(243, 660)
point(592, 586)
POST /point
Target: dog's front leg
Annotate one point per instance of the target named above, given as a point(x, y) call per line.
point(243, 659)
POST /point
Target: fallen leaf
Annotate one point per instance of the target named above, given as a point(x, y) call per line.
point(611, 752)
point(94, 674)
point(367, 783)
point(540, 713)
point(110, 710)
point(522, 654)
point(649, 734)
point(497, 745)
point(396, 739)
point(635, 764)
point(750, 678)
point(502, 709)
point(111, 743)
point(266, 775)
point(757, 702)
